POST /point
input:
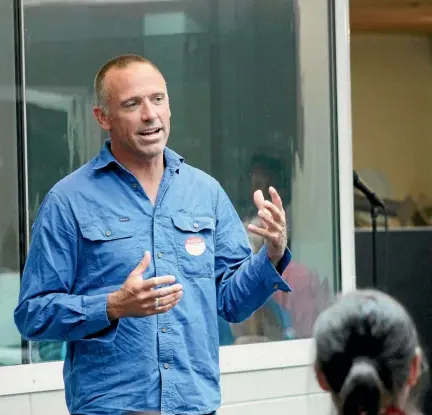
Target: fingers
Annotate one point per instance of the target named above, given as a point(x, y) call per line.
point(141, 267)
point(168, 299)
point(268, 221)
point(260, 203)
point(275, 206)
point(271, 217)
point(259, 231)
point(157, 301)
point(166, 291)
point(276, 213)
point(258, 198)
point(142, 298)
point(154, 282)
point(272, 237)
point(163, 302)
point(165, 308)
point(277, 201)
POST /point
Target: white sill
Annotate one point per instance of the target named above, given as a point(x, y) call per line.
point(42, 377)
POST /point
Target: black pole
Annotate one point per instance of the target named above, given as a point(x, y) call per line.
point(375, 203)
point(374, 245)
point(21, 151)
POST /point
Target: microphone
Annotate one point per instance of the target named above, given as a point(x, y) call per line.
point(372, 197)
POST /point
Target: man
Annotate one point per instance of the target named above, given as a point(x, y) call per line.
point(143, 337)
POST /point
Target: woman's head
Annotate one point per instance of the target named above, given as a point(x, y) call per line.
point(368, 353)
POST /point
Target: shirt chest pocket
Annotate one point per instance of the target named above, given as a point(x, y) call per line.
point(110, 249)
point(195, 245)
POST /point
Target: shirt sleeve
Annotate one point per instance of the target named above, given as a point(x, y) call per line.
point(244, 281)
point(47, 309)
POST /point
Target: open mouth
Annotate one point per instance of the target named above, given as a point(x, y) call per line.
point(150, 133)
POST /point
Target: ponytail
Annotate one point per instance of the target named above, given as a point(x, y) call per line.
point(362, 389)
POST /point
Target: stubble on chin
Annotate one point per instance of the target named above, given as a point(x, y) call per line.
point(150, 151)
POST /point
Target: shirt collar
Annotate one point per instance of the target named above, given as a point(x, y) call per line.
point(105, 157)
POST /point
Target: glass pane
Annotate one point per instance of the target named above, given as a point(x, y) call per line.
point(239, 112)
point(10, 340)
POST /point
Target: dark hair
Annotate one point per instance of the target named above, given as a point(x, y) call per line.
point(273, 167)
point(365, 343)
point(276, 171)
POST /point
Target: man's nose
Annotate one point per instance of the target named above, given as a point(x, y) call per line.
point(147, 112)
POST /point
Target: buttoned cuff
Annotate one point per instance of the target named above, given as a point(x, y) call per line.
point(98, 326)
point(270, 276)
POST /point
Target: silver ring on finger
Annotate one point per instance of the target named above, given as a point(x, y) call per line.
point(156, 303)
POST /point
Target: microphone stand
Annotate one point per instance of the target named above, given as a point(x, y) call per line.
point(373, 212)
point(375, 204)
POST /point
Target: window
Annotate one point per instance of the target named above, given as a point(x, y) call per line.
point(251, 103)
point(10, 340)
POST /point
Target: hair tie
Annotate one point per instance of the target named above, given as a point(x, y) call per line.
point(392, 410)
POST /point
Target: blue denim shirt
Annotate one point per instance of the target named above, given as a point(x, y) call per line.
point(91, 231)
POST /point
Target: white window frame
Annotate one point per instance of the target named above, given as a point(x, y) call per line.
point(39, 377)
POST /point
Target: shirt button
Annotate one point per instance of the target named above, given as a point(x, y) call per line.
point(164, 329)
point(159, 254)
point(135, 185)
point(108, 233)
point(166, 365)
point(195, 225)
point(276, 286)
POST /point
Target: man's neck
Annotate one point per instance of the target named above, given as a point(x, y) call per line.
point(148, 171)
point(140, 166)
point(149, 175)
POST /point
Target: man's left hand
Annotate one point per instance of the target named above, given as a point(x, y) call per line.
point(274, 228)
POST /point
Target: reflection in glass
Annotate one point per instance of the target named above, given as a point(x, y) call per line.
point(232, 74)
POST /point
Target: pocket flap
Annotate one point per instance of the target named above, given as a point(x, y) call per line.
point(107, 231)
point(193, 224)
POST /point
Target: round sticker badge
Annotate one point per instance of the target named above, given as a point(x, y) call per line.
point(195, 246)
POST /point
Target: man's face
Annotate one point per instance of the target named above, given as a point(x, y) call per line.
point(138, 113)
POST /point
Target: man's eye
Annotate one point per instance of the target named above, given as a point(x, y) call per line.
point(130, 104)
point(158, 99)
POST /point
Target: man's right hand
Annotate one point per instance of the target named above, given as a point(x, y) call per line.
point(140, 298)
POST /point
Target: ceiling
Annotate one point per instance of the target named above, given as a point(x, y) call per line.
point(391, 16)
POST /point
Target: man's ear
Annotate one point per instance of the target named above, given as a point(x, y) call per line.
point(415, 368)
point(322, 381)
point(101, 118)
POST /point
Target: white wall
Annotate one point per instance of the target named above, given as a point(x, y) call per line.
point(272, 379)
point(391, 79)
point(282, 391)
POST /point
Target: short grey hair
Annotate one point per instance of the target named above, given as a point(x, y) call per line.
point(121, 61)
